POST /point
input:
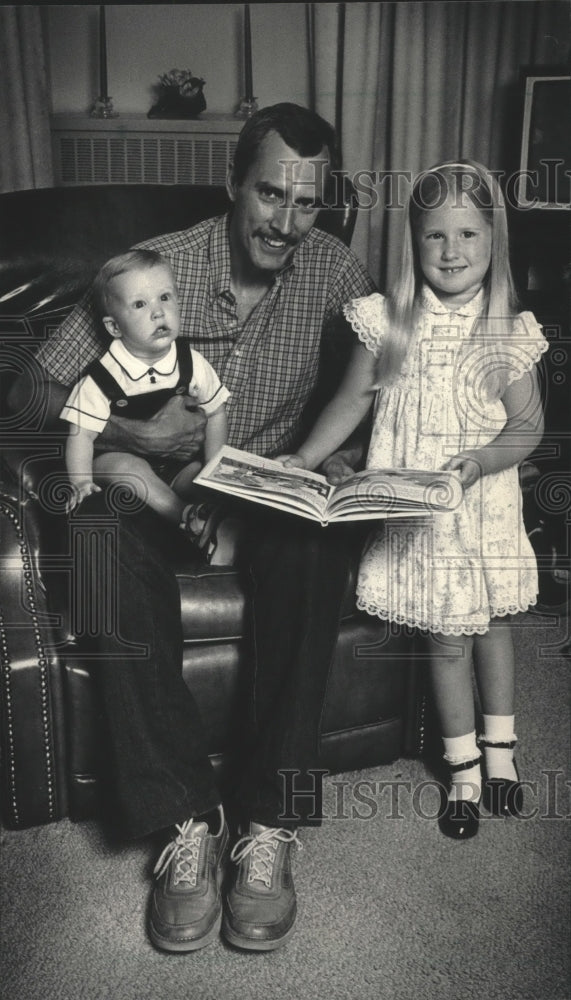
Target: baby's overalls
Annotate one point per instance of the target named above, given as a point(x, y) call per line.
point(147, 404)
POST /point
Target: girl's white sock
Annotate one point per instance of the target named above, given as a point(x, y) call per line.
point(465, 784)
point(499, 760)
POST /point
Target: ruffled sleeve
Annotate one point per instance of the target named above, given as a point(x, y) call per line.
point(526, 345)
point(368, 317)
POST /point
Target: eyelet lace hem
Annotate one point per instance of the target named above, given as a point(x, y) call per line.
point(365, 317)
point(443, 628)
point(529, 356)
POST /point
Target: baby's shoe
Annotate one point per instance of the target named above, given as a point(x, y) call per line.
point(211, 531)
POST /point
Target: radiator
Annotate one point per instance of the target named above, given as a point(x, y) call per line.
point(113, 152)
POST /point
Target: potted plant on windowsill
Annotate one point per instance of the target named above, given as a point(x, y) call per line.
point(179, 95)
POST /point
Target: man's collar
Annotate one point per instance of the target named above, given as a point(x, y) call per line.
point(220, 261)
point(136, 367)
point(432, 303)
point(219, 258)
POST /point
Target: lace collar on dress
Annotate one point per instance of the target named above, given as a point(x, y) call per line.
point(431, 303)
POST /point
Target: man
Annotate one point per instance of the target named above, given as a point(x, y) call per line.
point(261, 291)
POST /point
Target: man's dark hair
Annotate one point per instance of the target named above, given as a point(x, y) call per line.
point(301, 129)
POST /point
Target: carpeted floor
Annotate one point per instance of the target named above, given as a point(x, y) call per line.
point(388, 907)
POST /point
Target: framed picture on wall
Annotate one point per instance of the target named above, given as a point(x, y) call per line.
point(545, 163)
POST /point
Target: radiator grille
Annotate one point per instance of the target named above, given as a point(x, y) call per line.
point(143, 159)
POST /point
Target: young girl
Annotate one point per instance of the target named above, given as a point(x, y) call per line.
point(450, 367)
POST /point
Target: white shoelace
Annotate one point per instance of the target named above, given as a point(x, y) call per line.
point(183, 851)
point(262, 846)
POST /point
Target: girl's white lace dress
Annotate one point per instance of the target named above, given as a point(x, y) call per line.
point(452, 572)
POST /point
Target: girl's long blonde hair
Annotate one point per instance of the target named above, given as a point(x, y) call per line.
point(462, 179)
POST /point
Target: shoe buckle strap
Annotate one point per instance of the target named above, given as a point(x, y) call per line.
point(184, 851)
point(497, 744)
point(463, 765)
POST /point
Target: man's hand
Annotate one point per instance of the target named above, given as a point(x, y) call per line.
point(177, 430)
point(337, 468)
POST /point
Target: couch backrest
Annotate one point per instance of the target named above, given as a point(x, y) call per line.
point(53, 240)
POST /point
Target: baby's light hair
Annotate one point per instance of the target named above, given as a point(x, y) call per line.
point(132, 260)
point(461, 179)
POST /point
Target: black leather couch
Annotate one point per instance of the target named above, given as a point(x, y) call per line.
point(51, 244)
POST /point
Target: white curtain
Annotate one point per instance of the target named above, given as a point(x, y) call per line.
point(25, 148)
point(424, 81)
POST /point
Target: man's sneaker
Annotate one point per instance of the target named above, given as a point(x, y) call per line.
point(186, 903)
point(260, 904)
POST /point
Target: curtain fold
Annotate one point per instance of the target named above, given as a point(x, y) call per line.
point(25, 154)
point(425, 82)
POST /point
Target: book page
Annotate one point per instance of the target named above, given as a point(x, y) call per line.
point(254, 478)
point(397, 489)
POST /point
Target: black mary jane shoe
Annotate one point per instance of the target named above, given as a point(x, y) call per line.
point(501, 796)
point(459, 818)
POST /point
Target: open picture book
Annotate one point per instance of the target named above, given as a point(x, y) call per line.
point(373, 493)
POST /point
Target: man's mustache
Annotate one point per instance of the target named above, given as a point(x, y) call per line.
point(291, 241)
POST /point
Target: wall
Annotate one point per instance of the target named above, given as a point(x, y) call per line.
point(144, 40)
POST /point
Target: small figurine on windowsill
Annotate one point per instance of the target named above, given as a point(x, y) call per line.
point(103, 108)
point(179, 95)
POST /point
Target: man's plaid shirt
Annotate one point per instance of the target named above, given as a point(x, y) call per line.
point(270, 362)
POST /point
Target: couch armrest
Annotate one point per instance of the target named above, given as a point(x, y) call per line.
point(32, 730)
point(10, 488)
